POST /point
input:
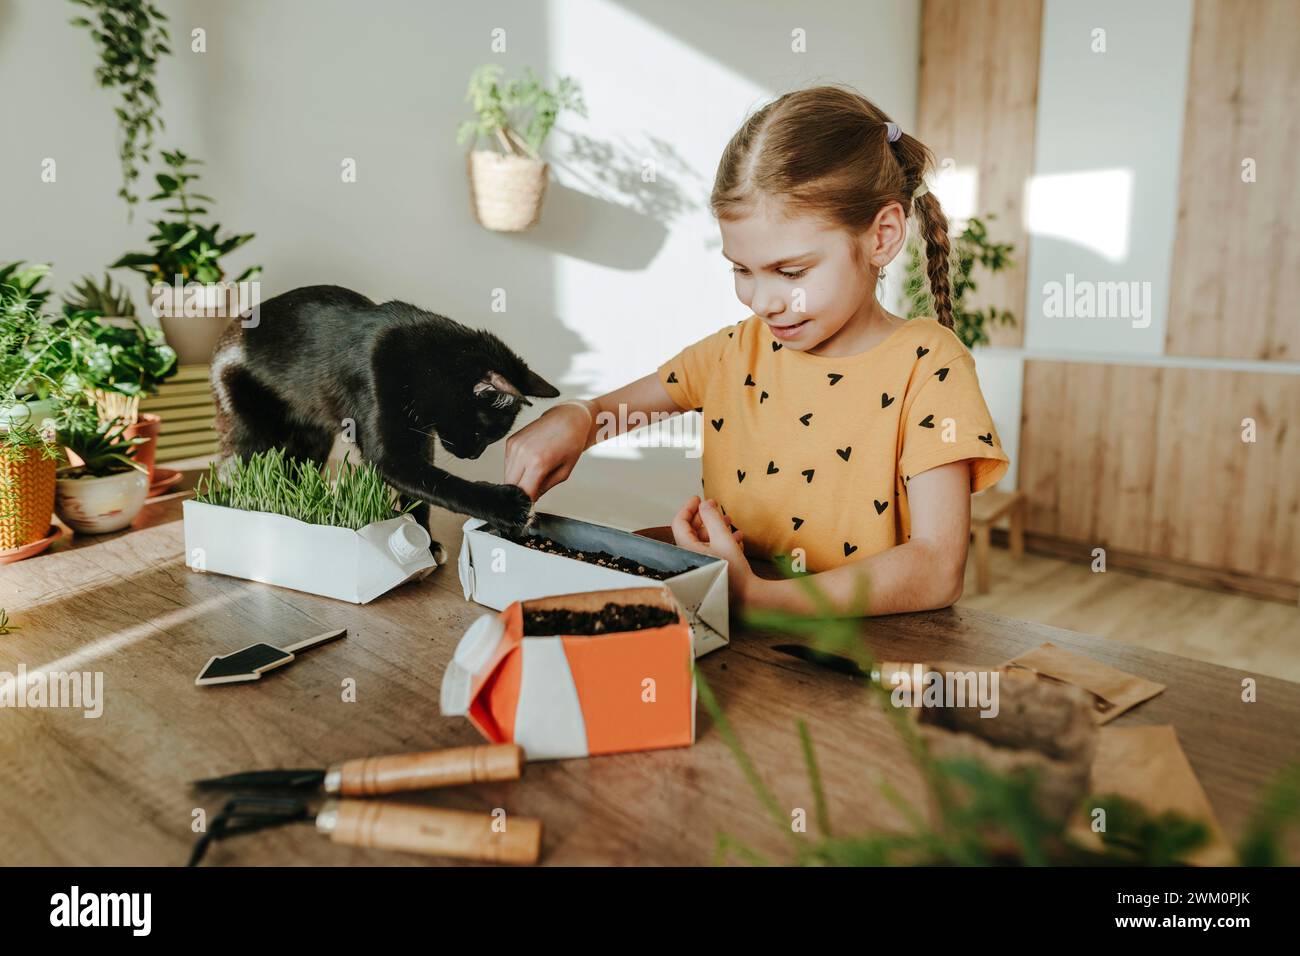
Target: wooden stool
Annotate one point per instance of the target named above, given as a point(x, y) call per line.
point(986, 508)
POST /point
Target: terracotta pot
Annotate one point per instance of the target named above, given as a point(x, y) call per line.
point(26, 518)
point(146, 427)
point(506, 192)
point(194, 337)
point(100, 505)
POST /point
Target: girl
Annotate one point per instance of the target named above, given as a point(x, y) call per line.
point(836, 434)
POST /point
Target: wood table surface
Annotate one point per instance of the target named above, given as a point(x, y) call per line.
point(115, 790)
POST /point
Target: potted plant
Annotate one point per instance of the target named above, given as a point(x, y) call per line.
point(28, 460)
point(116, 366)
point(25, 393)
point(108, 489)
point(507, 187)
point(184, 269)
point(109, 302)
point(280, 521)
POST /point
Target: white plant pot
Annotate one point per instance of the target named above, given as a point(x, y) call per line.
point(100, 505)
point(355, 566)
point(194, 337)
point(35, 412)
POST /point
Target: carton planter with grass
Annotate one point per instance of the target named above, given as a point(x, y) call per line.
point(280, 521)
point(576, 675)
point(564, 556)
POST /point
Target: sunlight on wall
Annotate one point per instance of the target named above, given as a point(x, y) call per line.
point(958, 190)
point(1091, 209)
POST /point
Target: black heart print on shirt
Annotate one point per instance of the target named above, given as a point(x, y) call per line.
point(797, 522)
point(987, 439)
point(761, 397)
point(834, 377)
point(942, 373)
point(717, 423)
point(775, 346)
point(749, 379)
point(844, 452)
point(771, 468)
point(927, 421)
point(808, 474)
point(672, 378)
point(921, 351)
point(804, 417)
point(740, 476)
point(849, 548)
point(885, 400)
point(880, 506)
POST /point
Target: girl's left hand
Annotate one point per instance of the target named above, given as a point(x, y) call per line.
point(701, 527)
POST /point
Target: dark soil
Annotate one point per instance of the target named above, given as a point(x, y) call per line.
point(611, 619)
point(601, 558)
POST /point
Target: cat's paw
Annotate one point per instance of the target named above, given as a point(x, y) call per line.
point(439, 552)
point(513, 509)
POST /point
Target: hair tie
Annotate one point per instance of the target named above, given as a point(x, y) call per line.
point(920, 190)
point(893, 132)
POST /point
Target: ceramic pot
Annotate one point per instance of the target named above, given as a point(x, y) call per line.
point(194, 337)
point(146, 427)
point(99, 505)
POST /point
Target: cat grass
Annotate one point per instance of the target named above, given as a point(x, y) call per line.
point(272, 483)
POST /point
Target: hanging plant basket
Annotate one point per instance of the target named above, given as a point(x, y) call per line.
point(506, 191)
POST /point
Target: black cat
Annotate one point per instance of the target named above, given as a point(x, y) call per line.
point(322, 361)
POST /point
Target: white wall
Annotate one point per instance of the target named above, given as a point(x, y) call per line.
point(618, 275)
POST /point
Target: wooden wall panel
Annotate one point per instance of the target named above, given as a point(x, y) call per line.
point(1235, 284)
point(1150, 460)
point(977, 103)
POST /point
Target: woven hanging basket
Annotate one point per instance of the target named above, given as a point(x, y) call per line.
point(506, 192)
point(27, 487)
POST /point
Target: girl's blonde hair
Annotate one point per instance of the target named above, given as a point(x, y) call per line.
point(826, 151)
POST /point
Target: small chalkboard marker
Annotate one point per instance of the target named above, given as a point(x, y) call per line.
point(251, 662)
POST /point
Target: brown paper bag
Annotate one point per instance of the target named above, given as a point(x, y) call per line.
point(1113, 691)
point(1147, 765)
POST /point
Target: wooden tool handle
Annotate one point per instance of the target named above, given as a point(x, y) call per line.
point(423, 771)
point(432, 831)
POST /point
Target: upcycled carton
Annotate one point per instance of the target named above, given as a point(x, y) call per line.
point(560, 696)
point(495, 571)
point(355, 566)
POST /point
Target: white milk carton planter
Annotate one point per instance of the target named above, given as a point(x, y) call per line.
point(355, 566)
point(496, 572)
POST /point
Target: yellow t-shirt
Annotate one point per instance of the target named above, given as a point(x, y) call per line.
point(806, 451)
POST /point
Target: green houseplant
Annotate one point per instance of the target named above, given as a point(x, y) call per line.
point(507, 187)
point(970, 248)
point(130, 37)
point(185, 269)
point(105, 300)
point(108, 488)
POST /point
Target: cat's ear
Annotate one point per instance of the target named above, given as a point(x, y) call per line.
point(501, 391)
point(534, 384)
point(497, 389)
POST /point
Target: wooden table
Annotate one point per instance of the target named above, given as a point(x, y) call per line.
point(114, 790)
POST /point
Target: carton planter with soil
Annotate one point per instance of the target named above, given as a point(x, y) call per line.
point(576, 675)
point(562, 555)
point(280, 521)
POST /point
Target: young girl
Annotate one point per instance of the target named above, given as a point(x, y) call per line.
point(836, 434)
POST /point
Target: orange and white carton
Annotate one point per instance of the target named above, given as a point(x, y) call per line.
point(561, 696)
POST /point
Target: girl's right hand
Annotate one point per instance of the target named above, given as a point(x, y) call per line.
point(542, 454)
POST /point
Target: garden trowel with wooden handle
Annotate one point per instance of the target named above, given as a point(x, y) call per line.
point(371, 776)
point(431, 831)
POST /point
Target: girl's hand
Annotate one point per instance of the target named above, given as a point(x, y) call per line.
point(701, 527)
point(544, 453)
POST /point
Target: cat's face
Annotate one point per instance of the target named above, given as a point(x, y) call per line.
point(489, 409)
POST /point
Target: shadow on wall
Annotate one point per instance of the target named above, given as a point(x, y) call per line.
point(619, 203)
